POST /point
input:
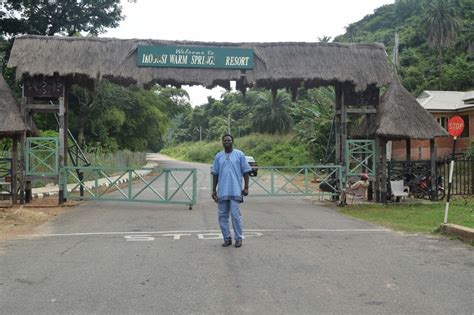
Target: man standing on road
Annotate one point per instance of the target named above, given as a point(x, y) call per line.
point(228, 168)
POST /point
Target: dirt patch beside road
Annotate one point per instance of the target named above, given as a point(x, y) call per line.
point(23, 219)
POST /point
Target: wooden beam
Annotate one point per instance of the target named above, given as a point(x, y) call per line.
point(46, 108)
point(359, 111)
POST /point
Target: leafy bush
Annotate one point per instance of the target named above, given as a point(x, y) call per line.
point(470, 150)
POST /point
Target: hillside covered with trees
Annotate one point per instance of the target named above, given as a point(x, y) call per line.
point(436, 46)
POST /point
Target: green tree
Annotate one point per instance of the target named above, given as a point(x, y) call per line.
point(272, 112)
point(65, 17)
point(313, 114)
point(324, 39)
point(441, 24)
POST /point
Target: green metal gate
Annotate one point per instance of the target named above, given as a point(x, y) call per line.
point(41, 158)
point(283, 181)
point(360, 157)
point(153, 185)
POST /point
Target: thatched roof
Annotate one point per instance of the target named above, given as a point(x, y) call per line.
point(400, 116)
point(10, 118)
point(276, 64)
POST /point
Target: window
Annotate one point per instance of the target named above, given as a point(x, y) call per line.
point(443, 121)
point(465, 132)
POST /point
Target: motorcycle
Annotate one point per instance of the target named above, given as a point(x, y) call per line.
point(420, 187)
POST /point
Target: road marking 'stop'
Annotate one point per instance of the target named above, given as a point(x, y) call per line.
point(203, 231)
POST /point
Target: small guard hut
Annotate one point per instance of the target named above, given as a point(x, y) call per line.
point(400, 117)
point(12, 127)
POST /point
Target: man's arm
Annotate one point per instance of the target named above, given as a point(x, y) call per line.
point(214, 187)
point(245, 192)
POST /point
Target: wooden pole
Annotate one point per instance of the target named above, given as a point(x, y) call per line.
point(408, 149)
point(62, 149)
point(377, 169)
point(383, 170)
point(14, 170)
point(338, 124)
point(434, 191)
point(343, 128)
point(22, 149)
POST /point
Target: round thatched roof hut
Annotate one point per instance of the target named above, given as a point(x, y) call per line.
point(11, 123)
point(400, 116)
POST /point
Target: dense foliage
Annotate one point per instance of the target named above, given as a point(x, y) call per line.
point(120, 118)
point(64, 17)
point(309, 119)
point(436, 49)
point(268, 150)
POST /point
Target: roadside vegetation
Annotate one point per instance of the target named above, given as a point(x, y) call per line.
point(419, 217)
point(268, 150)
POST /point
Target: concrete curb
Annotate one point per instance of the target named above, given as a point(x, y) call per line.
point(464, 233)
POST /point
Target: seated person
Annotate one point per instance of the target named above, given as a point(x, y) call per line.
point(358, 189)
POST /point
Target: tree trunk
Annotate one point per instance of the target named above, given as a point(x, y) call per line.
point(80, 136)
point(440, 56)
point(274, 100)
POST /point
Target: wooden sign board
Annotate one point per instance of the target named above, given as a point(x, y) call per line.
point(40, 86)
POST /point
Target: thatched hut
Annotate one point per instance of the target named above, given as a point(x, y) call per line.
point(399, 117)
point(11, 126)
point(11, 123)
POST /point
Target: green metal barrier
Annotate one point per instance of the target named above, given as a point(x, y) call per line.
point(154, 185)
point(360, 157)
point(280, 181)
point(41, 156)
point(5, 176)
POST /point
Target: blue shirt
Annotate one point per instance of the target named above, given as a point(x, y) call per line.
point(230, 168)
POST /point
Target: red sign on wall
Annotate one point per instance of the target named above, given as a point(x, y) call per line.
point(455, 126)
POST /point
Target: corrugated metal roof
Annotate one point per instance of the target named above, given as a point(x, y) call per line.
point(446, 100)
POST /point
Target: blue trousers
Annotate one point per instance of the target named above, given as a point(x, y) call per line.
point(232, 207)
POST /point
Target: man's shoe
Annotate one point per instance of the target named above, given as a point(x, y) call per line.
point(238, 243)
point(227, 243)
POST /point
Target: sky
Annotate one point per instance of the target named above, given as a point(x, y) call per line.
point(239, 21)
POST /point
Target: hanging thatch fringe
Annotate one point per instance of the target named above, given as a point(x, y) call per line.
point(276, 64)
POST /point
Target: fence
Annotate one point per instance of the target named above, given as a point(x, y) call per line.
point(463, 176)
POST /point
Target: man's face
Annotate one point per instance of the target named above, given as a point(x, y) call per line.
point(227, 142)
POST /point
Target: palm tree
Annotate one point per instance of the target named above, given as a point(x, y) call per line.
point(324, 39)
point(271, 111)
point(441, 25)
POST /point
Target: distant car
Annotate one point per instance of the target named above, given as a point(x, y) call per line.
point(253, 165)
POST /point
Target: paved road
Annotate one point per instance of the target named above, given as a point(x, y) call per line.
point(298, 257)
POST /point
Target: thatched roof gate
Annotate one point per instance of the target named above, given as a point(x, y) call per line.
point(356, 70)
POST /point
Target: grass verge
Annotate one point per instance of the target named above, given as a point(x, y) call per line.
point(422, 217)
